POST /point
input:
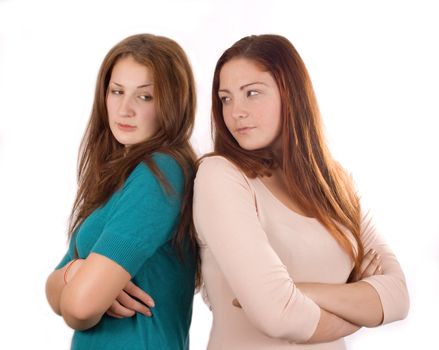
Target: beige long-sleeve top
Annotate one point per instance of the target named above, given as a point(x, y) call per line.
point(254, 248)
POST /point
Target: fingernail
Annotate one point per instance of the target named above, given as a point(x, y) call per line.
point(151, 304)
point(378, 257)
point(372, 252)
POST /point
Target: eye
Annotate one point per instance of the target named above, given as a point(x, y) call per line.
point(116, 92)
point(251, 93)
point(225, 99)
point(145, 97)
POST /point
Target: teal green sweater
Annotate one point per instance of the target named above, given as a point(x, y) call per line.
point(134, 229)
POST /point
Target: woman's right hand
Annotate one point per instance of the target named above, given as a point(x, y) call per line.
point(131, 299)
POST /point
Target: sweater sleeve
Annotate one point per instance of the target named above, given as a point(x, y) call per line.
point(67, 257)
point(143, 218)
point(390, 286)
point(226, 220)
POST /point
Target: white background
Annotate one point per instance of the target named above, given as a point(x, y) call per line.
point(374, 65)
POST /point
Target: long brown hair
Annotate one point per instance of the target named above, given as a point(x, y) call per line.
point(104, 164)
point(319, 185)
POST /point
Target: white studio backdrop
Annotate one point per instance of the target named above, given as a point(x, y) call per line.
point(374, 65)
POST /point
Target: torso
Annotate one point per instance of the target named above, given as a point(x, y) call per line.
point(162, 274)
point(276, 185)
point(306, 248)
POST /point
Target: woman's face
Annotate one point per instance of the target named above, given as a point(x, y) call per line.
point(130, 102)
point(251, 104)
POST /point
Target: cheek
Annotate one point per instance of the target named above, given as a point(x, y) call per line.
point(278, 123)
point(227, 119)
point(272, 119)
point(149, 118)
point(111, 107)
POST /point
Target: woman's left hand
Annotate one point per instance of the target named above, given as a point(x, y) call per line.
point(131, 299)
point(370, 266)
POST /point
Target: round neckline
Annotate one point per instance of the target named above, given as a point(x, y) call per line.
point(281, 204)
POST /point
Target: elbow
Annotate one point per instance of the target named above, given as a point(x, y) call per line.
point(373, 322)
point(293, 321)
point(396, 305)
point(76, 322)
point(405, 304)
point(54, 307)
point(284, 329)
point(51, 297)
point(272, 330)
point(406, 310)
point(398, 313)
point(402, 304)
point(78, 314)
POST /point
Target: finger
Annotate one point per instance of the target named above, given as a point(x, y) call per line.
point(367, 259)
point(120, 311)
point(373, 268)
point(140, 294)
point(379, 268)
point(112, 314)
point(128, 302)
point(378, 271)
point(236, 303)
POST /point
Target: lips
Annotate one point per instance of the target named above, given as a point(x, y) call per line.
point(245, 129)
point(125, 127)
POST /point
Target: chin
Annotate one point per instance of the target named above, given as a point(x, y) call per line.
point(250, 147)
point(124, 141)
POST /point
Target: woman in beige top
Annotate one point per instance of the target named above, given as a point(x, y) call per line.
point(289, 259)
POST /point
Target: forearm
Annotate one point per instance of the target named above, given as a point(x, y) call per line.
point(75, 311)
point(330, 328)
point(76, 320)
point(54, 287)
point(92, 286)
point(62, 299)
point(357, 302)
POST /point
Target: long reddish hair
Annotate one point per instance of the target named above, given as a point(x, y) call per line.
point(104, 164)
point(319, 185)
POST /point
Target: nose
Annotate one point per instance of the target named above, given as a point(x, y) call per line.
point(126, 107)
point(238, 110)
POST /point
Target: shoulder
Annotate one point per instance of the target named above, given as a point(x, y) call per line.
point(216, 170)
point(166, 164)
point(213, 164)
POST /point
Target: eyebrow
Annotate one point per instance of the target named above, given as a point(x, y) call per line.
point(244, 86)
point(139, 87)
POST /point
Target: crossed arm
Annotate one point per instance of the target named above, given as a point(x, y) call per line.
point(356, 302)
point(246, 258)
point(134, 229)
point(376, 297)
point(345, 307)
point(95, 286)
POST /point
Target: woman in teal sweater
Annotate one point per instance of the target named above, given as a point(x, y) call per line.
point(130, 228)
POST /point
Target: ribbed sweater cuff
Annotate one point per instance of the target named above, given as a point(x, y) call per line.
point(123, 251)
